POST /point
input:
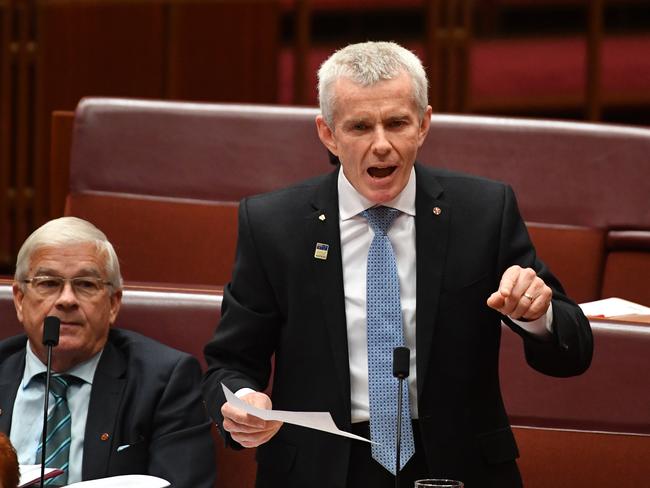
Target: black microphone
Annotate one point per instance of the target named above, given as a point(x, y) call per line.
point(51, 329)
point(401, 366)
point(401, 362)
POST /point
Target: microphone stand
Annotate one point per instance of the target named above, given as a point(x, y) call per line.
point(51, 329)
point(398, 442)
point(45, 408)
point(401, 364)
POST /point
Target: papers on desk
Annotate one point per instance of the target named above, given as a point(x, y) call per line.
point(30, 474)
point(616, 309)
point(124, 481)
point(312, 420)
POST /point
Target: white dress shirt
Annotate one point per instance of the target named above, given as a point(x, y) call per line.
point(27, 419)
point(356, 236)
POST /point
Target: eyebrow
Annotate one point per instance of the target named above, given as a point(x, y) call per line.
point(355, 120)
point(365, 119)
point(82, 272)
point(403, 116)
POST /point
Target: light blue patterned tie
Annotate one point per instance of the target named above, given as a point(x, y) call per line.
point(58, 430)
point(384, 324)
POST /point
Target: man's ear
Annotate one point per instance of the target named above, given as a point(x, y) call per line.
point(425, 124)
point(326, 135)
point(19, 295)
point(116, 302)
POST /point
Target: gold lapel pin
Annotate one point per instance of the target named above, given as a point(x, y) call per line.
point(437, 210)
point(321, 217)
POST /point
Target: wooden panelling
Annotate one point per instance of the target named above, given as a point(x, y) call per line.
point(223, 51)
point(582, 459)
point(20, 168)
point(6, 57)
point(59, 168)
point(90, 48)
point(54, 52)
point(447, 47)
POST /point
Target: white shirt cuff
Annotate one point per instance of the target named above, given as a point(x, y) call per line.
point(243, 391)
point(541, 327)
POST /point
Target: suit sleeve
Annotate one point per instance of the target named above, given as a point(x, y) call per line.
point(570, 349)
point(182, 449)
point(239, 355)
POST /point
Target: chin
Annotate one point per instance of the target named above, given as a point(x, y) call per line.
point(380, 197)
point(68, 342)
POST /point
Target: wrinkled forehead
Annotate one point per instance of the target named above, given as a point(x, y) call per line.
point(350, 96)
point(74, 259)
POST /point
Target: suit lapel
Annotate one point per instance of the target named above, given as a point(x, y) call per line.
point(327, 274)
point(101, 424)
point(432, 221)
point(11, 373)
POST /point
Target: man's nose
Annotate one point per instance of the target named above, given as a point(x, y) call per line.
point(380, 144)
point(67, 297)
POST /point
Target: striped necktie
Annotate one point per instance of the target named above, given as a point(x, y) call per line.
point(384, 323)
point(58, 429)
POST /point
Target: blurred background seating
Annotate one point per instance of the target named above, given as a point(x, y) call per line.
point(163, 180)
point(574, 59)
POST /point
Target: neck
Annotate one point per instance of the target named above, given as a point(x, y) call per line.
point(61, 362)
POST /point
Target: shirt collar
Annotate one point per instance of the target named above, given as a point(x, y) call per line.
point(352, 203)
point(33, 367)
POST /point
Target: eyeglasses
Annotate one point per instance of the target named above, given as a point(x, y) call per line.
point(83, 286)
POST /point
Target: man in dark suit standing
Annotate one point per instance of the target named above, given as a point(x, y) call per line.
point(307, 290)
point(130, 404)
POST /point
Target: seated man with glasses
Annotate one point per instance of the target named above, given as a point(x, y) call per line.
point(120, 403)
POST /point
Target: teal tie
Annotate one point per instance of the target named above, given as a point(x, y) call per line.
point(58, 430)
point(384, 323)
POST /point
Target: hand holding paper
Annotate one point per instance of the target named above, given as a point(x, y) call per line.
point(249, 430)
point(313, 420)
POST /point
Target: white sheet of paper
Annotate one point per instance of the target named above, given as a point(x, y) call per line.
point(124, 481)
point(611, 307)
point(312, 420)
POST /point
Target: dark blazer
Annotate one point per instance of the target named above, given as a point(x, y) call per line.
point(282, 301)
point(146, 396)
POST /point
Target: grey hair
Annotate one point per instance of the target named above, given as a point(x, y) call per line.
point(366, 64)
point(67, 231)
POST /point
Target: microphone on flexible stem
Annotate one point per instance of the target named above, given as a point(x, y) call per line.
point(401, 364)
point(51, 329)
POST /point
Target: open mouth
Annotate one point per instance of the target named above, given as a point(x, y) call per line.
point(376, 172)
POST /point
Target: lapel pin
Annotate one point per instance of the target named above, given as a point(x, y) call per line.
point(321, 250)
point(437, 210)
point(104, 436)
point(321, 217)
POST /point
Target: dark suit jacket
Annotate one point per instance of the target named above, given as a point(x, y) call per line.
point(282, 301)
point(145, 395)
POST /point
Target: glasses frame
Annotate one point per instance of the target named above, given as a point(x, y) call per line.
point(99, 281)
